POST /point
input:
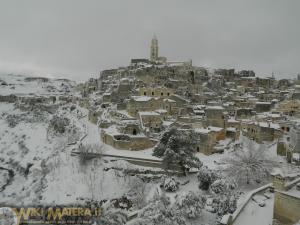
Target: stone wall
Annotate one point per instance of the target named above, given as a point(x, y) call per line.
point(286, 208)
point(131, 143)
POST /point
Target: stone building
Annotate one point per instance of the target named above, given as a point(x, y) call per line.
point(287, 198)
point(261, 131)
point(151, 120)
point(161, 92)
point(122, 141)
point(170, 106)
point(142, 103)
point(267, 82)
point(139, 62)
point(293, 146)
point(215, 116)
point(290, 107)
point(262, 107)
point(208, 139)
point(247, 73)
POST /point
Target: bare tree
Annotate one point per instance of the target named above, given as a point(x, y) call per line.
point(86, 150)
point(249, 163)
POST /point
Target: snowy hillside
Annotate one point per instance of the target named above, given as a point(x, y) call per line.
point(37, 166)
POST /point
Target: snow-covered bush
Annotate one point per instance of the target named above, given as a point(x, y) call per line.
point(12, 120)
point(59, 124)
point(111, 216)
point(170, 184)
point(206, 177)
point(221, 186)
point(72, 107)
point(225, 203)
point(189, 204)
point(178, 147)
point(23, 147)
point(158, 212)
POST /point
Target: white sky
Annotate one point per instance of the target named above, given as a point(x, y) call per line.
point(78, 38)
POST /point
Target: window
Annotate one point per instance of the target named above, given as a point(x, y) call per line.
point(152, 93)
point(168, 94)
point(145, 93)
point(161, 94)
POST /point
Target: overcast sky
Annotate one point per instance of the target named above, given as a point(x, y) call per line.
point(79, 38)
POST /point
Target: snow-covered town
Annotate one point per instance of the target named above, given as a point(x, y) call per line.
point(118, 112)
point(155, 142)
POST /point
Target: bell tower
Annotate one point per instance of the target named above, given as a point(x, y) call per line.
point(154, 49)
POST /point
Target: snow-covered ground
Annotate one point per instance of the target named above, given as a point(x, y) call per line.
point(255, 214)
point(22, 85)
point(39, 168)
point(54, 176)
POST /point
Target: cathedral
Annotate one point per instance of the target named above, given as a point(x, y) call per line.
point(154, 58)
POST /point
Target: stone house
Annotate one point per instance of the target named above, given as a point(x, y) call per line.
point(181, 101)
point(293, 146)
point(160, 92)
point(151, 120)
point(287, 198)
point(105, 74)
point(175, 104)
point(142, 103)
point(290, 107)
point(267, 82)
point(122, 141)
point(243, 113)
point(124, 88)
point(233, 133)
point(131, 127)
point(208, 139)
point(215, 116)
point(241, 102)
point(233, 128)
point(192, 121)
point(261, 131)
point(170, 106)
point(263, 107)
point(247, 82)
